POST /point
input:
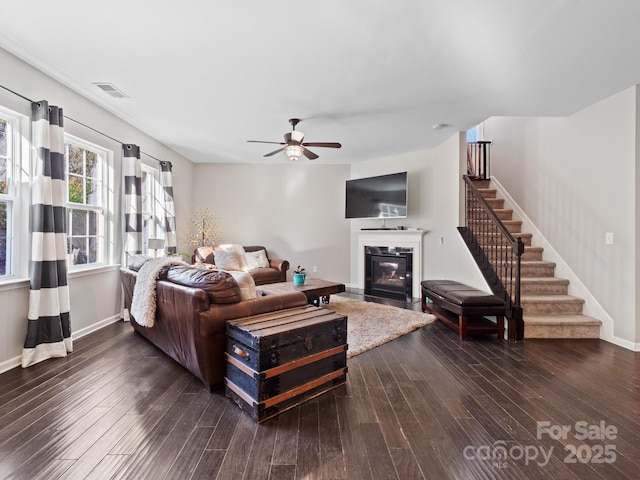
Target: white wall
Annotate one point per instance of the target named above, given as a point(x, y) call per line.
point(95, 294)
point(576, 178)
point(295, 210)
point(435, 201)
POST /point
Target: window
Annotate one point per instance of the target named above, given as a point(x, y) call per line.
point(86, 204)
point(475, 134)
point(151, 208)
point(8, 191)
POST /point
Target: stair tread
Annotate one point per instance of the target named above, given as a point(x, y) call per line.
point(541, 263)
point(559, 319)
point(487, 220)
point(563, 281)
point(527, 248)
point(550, 298)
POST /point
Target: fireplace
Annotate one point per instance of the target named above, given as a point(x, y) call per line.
point(388, 272)
point(409, 240)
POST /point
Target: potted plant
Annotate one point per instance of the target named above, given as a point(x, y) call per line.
point(299, 276)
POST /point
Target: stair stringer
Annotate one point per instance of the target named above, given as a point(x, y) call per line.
point(591, 306)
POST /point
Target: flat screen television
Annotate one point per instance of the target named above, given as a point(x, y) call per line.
point(384, 196)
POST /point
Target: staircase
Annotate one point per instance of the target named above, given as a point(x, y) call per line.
point(548, 310)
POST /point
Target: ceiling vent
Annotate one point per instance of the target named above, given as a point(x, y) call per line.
point(110, 89)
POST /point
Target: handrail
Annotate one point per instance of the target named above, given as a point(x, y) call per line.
point(497, 253)
point(483, 201)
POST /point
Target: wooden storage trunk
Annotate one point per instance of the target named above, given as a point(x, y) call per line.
point(278, 360)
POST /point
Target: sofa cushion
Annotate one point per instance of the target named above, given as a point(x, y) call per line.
point(239, 252)
point(226, 260)
point(257, 259)
point(220, 286)
point(204, 255)
point(135, 262)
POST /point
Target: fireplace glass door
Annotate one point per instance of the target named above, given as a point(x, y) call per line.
point(388, 274)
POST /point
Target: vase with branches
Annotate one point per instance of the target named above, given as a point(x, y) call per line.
point(204, 231)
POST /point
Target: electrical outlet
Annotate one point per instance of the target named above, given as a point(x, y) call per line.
point(315, 268)
point(608, 238)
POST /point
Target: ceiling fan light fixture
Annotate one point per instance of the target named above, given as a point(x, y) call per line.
point(293, 152)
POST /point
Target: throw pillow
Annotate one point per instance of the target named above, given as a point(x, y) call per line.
point(257, 259)
point(204, 255)
point(135, 262)
point(247, 285)
point(239, 251)
point(226, 260)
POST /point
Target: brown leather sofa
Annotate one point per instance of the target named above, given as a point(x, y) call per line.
point(192, 309)
point(276, 272)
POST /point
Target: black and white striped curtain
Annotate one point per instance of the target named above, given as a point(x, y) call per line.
point(166, 181)
point(49, 326)
point(132, 173)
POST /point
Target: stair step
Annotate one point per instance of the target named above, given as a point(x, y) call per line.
point(551, 305)
point(513, 226)
point(482, 183)
point(530, 253)
point(561, 326)
point(488, 192)
point(503, 213)
point(483, 237)
point(537, 268)
point(543, 286)
point(495, 202)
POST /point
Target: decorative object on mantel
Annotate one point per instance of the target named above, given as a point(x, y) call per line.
point(299, 275)
point(372, 324)
point(203, 231)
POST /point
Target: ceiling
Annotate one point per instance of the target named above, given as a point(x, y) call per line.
point(203, 77)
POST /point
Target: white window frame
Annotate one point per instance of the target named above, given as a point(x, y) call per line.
point(152, 209)
point(17, 197)
point(104, 209)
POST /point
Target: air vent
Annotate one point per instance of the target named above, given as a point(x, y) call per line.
point(110, 89)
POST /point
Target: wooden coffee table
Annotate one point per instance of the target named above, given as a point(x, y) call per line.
point(316, 290)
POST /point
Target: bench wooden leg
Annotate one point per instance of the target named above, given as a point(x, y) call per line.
point(462, 327)
point(500, 325)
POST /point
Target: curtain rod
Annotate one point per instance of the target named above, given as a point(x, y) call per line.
point(79, 123)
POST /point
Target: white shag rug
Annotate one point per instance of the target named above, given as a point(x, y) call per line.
point(370, 325)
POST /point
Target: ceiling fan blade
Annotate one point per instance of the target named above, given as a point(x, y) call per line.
point(322, 144)
point(274, 152)
point(309, 154)
point(260, 141)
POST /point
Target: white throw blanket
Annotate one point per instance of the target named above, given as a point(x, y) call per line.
point(143, 303)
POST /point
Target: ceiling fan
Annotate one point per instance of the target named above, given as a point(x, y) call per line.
point(294, 145)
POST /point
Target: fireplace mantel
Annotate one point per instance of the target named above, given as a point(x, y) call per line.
point(393, 238)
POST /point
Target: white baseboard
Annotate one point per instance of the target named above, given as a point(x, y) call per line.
point(9, 364)
point(17, 361)
point(634, 347)
point(96, 326)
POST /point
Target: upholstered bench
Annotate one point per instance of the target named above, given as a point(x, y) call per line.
point(464, 308)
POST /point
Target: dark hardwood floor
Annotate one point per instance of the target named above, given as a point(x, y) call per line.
point(423, 406)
